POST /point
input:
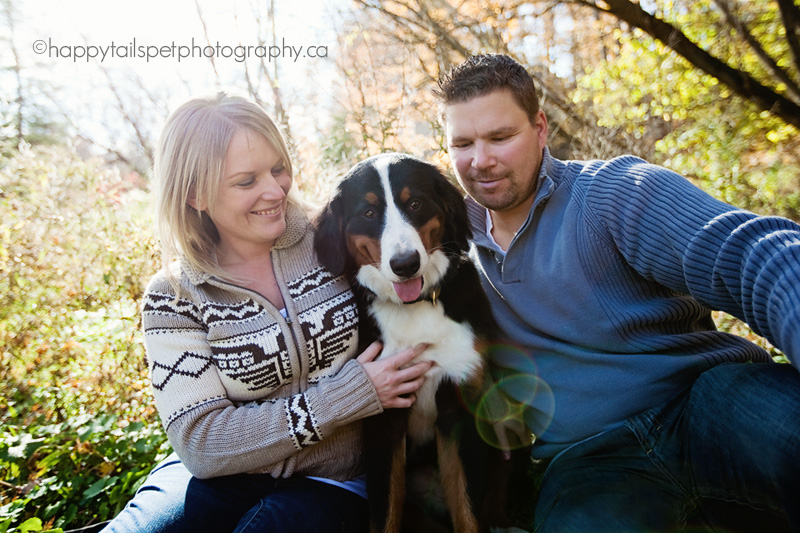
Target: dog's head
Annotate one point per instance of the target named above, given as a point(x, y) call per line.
point(393, 225)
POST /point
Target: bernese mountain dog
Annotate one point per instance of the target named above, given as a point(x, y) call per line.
point(398, 228)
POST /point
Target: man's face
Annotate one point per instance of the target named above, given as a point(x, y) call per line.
point(495, 151)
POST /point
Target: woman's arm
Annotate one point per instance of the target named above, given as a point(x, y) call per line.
point(214, 435)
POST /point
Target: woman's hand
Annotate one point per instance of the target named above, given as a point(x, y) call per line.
point(394, 379)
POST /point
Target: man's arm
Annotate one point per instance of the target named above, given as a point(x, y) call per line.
point(727, 259)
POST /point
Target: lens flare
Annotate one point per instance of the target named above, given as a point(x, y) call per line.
point(517, 406)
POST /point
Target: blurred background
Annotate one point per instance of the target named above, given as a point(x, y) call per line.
point(709, 88)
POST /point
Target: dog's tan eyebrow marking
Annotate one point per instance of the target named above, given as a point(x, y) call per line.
point(431, 234)
point(365, 250)
point(372, 198)
point(405, 194)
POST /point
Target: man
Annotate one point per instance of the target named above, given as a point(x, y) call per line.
point(602, 274)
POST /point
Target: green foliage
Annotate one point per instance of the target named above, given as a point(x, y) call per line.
point(79, 430)
point(340, 147)
point(733, 325)
point(692, 124)
point(81, 470)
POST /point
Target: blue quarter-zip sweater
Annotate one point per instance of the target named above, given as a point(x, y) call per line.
point(604, 295)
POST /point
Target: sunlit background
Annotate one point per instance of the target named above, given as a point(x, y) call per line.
point(607, 86)
point(85, 68)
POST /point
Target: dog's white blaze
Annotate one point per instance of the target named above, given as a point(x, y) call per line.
point(399, 236)
point(452, 349)
point(451, 344)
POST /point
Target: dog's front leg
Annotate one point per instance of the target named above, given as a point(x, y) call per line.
point(454, 484)
point(397, 489)
point(385, 462)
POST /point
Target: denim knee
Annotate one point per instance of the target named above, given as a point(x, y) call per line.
point(744, 425)
point(157, 503)
point(172, 500)
point(307, 505)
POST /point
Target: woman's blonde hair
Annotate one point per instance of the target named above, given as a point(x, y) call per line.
point(189, 165)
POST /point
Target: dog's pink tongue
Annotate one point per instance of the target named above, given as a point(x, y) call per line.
point(409, 291)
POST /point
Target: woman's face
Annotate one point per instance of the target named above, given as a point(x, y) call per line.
point(250, 211)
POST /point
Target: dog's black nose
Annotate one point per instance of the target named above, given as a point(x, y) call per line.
point(405, 265)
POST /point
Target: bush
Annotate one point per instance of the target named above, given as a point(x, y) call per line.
point(79, 429)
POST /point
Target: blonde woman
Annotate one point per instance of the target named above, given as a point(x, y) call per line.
point(251, 344)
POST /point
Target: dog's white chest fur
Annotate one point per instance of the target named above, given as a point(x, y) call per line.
point(451, 348)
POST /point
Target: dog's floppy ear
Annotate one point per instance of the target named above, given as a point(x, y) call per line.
point(329, 241)
point(456, 224)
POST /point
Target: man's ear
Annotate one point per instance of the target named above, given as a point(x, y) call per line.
point(541, 125)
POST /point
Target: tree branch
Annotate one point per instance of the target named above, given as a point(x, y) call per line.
point(420, 22)
point(17, 69)
point(141, 137)
point(791, 21)
point(740, 82)
point(208, 40)
point(762, 54)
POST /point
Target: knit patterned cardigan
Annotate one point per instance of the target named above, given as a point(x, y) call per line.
point(240, 388)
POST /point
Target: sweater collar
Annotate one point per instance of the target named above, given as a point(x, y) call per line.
point(296, 227)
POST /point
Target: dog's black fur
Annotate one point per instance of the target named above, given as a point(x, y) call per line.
point(348, 234)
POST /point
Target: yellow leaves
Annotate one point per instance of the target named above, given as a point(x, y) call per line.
point(87, 448)
point(774, 136)
point(139, 384)
point(83, 447)
point(782, 133)
point(72, 347)
point(105, 469)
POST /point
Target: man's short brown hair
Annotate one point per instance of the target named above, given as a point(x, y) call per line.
point(481, 74)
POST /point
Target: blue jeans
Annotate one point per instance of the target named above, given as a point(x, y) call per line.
point(171, 500)
point(725, 454)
